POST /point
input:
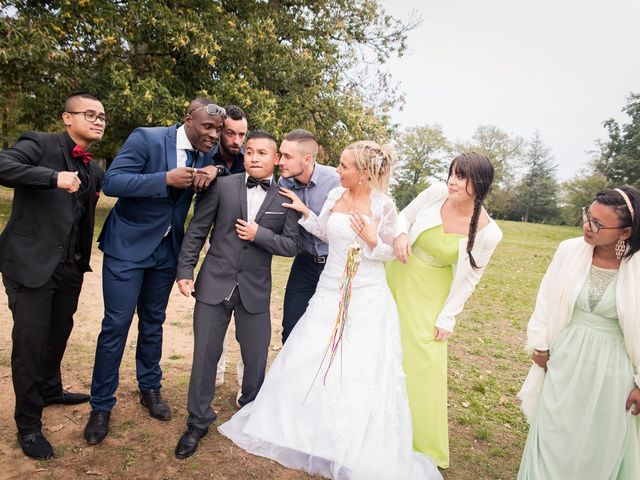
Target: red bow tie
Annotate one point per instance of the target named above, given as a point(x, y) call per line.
point(79, 152)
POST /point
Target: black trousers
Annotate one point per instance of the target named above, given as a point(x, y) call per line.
point(303, 279)
point(42, 323)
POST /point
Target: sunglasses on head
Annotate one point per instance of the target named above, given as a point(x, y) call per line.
point(212, 109)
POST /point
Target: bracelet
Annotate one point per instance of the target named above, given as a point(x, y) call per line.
point(540, 353)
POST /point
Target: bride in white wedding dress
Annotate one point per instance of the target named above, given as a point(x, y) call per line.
point(345, 417)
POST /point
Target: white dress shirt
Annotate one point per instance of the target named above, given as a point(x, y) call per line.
point(255, 197)
point(182, 145)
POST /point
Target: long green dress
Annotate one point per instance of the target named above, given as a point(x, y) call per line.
point(420, 287)
point(580, 428)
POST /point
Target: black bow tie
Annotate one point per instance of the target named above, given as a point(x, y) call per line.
point(254, 182)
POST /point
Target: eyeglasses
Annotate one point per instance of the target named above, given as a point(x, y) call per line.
point(91, 116)
point(594, 226)
point(212, 109)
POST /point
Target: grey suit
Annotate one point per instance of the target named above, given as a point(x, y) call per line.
point(235, 277)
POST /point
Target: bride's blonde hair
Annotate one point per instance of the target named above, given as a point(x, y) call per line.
point(375, 159)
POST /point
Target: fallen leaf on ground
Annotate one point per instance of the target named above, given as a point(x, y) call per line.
point(55, 428)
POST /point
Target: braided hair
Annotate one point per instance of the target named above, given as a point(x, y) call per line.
point(377, 160)
point(612, 198)
point(479, 172)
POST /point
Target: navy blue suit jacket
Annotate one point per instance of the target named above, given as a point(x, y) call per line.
point(146, 206)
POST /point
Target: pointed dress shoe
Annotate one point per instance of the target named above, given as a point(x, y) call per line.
point(158, 408)
point(188, 443)
point(67, 398)
point(97, 427)
point(34, 445)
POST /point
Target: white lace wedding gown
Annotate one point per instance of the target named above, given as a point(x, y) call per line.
point(355, 424)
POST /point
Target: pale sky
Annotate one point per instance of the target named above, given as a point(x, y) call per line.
point(558, 66)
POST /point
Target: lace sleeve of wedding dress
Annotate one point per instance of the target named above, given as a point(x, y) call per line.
point(383, 208)
point(316, 225)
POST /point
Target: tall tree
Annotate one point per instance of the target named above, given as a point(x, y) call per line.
point(423, 153)
point(619, 159)
point(288, 63)
point(537, 192)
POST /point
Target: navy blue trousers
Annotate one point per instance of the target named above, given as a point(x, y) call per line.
point(303, 279)
point(129, 286)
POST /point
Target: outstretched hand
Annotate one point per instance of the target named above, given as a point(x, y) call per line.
point(296, 204)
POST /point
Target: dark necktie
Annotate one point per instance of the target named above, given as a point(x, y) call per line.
point(192, 158)
point(254, 182)
point(81, 153)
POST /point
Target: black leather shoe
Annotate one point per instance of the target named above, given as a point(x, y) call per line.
point(188, 443)
point(34, 445)
point(158, 408)
point(97, 427)
point(67, 398)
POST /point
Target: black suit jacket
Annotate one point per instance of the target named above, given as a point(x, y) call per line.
point(232, 261)
point(35, 238)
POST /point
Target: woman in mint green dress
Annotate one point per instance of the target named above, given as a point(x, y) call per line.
point(443, 244)
point(581, 396)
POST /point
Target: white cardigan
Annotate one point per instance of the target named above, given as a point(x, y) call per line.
point(424, 213)
point(556, 299)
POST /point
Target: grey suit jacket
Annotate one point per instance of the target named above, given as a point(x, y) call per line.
point(231, 261)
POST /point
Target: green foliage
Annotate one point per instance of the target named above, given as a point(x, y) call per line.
point(423, 153)
point(287, 63)
point(619, 160)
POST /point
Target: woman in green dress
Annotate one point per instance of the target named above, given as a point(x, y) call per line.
point(443, 243)
point(581, 396)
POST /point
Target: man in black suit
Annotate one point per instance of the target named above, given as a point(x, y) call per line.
point(44, 252)
point(250, 226)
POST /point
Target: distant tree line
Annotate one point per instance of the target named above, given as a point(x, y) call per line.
point(526, 187)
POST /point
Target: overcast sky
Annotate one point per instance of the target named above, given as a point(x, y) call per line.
point(558, 66)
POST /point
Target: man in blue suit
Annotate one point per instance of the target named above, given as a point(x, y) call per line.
point(154, 176)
